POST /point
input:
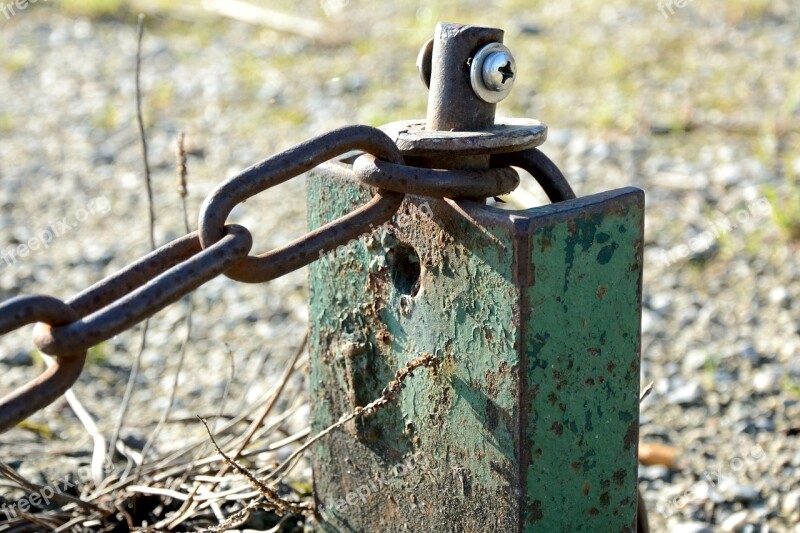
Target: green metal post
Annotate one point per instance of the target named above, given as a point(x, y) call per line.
point(531, 421)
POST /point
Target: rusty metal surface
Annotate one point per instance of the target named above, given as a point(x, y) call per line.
point(288, 164)
point(544, 171)
point(507, 135)
point(531, 422)
point(54, 381)
point(433, 182)
point(582, 344)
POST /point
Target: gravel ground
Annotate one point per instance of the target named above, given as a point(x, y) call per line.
point(701, 108)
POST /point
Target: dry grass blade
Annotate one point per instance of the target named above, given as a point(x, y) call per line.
point(646, 392)
point(141, 489)
point(142, 136)
point(189, 504)
point(38, 520)
point(183, 172)
point(173, 389)
point(71, 525)
point(99, 450)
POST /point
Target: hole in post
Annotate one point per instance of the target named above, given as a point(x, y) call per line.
point(404, 269)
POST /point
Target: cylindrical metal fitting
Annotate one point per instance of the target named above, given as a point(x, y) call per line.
point(452, 104)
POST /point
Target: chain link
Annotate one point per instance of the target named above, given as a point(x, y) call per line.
point(435, 182)
point(286, 165)
point(544, 171)
point(68, 329)
point(54, 381)
point(169, 285)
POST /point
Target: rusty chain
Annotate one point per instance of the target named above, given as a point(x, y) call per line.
point(66, 330)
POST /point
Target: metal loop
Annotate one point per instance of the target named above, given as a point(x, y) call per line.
point(433, 182)
point(550, 178)
point(53, 382)
point(174, 279)
point(278, 169)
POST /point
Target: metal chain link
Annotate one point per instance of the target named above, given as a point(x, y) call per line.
point(68, 329)
point(146, 300)
point(53, 382)
point(286, 165)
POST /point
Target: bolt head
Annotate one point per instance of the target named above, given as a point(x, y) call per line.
point(499, 71)
point(493, 72)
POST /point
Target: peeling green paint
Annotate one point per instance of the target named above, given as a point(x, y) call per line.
point(531, 422)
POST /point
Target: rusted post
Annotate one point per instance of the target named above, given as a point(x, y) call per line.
point(531, 422)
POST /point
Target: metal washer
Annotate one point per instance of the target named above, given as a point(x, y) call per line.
point(506, 136)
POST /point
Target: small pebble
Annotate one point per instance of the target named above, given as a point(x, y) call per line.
point(18, 358)
point(778, 294)
point(654, 472)
point(649, 321)
point(687, 394)
point(726, 175)
point(528, 28)
point(691, 527)
point(791, 504)
point(734, 522)
point(735, 492)
point(765, 380)
point(695, 360)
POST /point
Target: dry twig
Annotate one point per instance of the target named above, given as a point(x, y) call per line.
point(137, 361)
point(388, 395)
point(268, 493)
point(182, 192)
point(269, 498)
point(99, 450)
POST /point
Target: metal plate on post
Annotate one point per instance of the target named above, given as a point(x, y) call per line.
point(507, 135)
point(531, 422)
